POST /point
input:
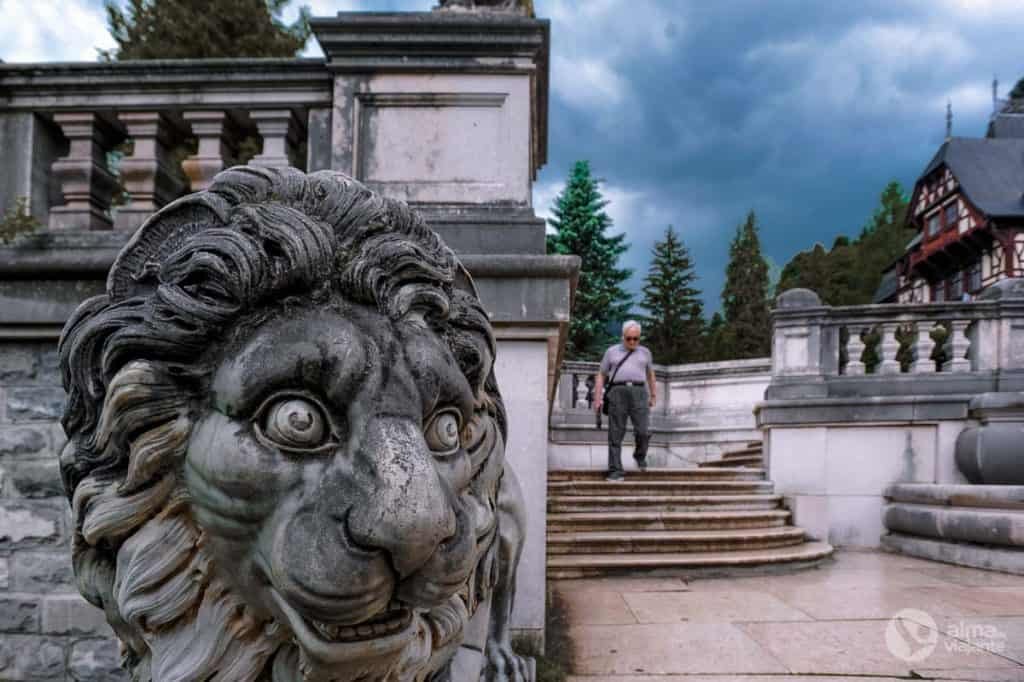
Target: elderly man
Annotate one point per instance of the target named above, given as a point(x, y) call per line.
point(628, 369)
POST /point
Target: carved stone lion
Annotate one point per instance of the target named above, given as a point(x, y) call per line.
point(285, 456)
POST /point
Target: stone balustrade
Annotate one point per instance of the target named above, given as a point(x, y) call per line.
point(174, 124)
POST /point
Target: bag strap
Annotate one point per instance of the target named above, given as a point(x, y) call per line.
point(611, 380)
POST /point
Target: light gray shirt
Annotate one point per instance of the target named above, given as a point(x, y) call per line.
point(633, 369)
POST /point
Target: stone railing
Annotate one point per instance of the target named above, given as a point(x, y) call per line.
point(175, 124)
point(865, 397)
point(702, 410)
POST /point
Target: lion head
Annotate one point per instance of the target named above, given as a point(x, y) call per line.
point(285, 437)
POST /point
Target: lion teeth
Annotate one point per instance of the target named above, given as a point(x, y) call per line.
point(386, 624)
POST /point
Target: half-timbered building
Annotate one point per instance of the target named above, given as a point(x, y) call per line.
point(967, 209)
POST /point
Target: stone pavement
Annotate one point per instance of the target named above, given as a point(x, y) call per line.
point(862, 616)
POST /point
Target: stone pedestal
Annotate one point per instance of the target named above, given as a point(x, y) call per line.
point(991, 453)
point(84, 179)
point(147, 175)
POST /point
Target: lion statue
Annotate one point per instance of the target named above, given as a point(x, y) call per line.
point(286, 444)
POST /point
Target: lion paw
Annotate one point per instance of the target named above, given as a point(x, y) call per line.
point(505, 665)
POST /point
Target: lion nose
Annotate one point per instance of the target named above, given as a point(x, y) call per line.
point(407, 510)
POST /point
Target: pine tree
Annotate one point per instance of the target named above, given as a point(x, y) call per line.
point(745, 295)
point(200, 29)
point(581, 228)
point(1018, 90)
point(674, 325)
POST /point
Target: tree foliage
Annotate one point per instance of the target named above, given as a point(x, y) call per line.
point(850, 272)
point(16, 221)
point(674, 325)
point(199, 29)
point(746, 328)
point(1018, 90)
point(581, 228)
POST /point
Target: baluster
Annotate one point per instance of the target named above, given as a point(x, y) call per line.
point(922, 349)
point(956, 347)
point(888, 348)
point(854, 352)
point(581, 390)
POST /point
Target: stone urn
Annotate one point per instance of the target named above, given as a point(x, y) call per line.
point(993, 452)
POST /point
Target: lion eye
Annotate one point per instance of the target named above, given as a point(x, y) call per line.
point(294, 423)
point(442, 434)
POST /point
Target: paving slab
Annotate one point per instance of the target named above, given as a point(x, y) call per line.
point(736, 678)
point(667, 649)
point(710, 606)
point(859, 647)
point(976, 675)
point(594, 607)
point(620, 584)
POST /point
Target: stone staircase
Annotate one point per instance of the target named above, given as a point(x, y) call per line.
point(750, 456)
point(707, 520)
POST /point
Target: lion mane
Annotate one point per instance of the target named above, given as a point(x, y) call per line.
point(137, 362)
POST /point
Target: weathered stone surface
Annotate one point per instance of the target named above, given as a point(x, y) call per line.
point(25, 657)
point(34, 404)
point(34, 479)
point(48, 365)
point(798, 298)
point(965, 524)
point(26, 523)
point(19, 613)
point(70, 614)
point(42, 572)
point(397, 355)
point(5, 573)
point(23, 441)
point(96, 660)
point(960, 553)
point(17, 363)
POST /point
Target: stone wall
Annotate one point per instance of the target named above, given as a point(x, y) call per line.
point(47, 630)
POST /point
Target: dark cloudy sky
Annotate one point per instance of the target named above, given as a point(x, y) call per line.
point(695, 112)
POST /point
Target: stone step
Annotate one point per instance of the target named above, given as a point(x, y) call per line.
point(755, 444)
point(672, 541)
point(959, 553)
point(659, 474)
point(659, 520)
point(638, 486)
point(745, 452)
point(985, 496)
point(754, 462)
point(558, 504)
point(965, 524)
point(686, 563)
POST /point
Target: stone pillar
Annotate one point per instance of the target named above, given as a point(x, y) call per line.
point(215, 151)
point(804, 348)
point(279, 130)
point(84, 179)
point(148, 174)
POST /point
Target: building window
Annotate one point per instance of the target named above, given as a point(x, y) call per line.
point(933, 224)
point(974, 278)
point(956, 286)
point(997, 260)
point(939, 291)
point(951, 215)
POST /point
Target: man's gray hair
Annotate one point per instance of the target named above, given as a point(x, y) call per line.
point(631, 323)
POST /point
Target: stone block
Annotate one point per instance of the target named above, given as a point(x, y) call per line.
point(42, 572)
point(863, 461)
point(34, 404)
point(48, 365)
point(962, 554)
point(24, 441)
point(855, 520)
point(96, 660)
point(17, 363)
point(38, 479)
point(30, 523)
point(810, 512)
point(28, 657)
point(70, 614)
point(796, 458)
point(19, 613)
point(5, 573)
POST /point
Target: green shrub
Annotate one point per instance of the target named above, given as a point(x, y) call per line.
point(17, 221)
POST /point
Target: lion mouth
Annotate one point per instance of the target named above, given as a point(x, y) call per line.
point(387, 623)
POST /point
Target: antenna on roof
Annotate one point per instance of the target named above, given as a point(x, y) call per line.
point(995, 93)
point(949, 119)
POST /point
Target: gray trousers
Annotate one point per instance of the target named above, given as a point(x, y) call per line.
point(626, 402)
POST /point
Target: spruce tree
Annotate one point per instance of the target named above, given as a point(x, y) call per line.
point(200, 29)
point(745, 295)
point(581, 229)
point(1018, 90)
point(674, 325)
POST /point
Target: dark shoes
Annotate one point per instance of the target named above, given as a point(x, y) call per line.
point(615, 477)
point(641, 462)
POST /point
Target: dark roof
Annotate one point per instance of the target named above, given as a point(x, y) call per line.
point(887, 287)
point(990, 172)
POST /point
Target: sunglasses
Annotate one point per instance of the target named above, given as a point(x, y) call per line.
point(632, 338)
